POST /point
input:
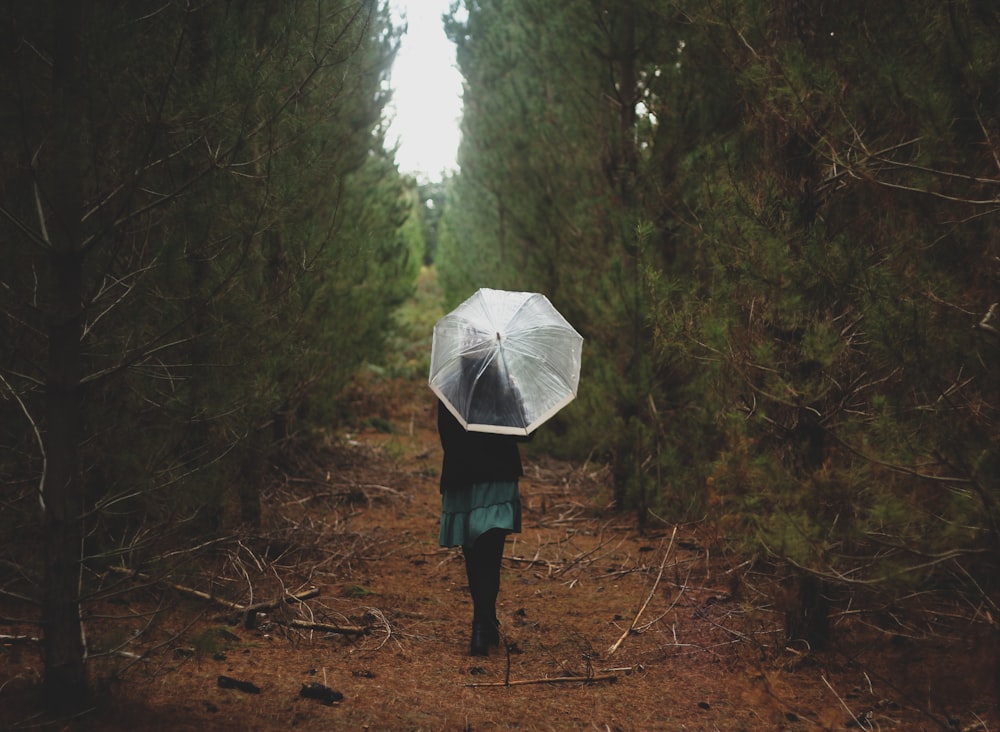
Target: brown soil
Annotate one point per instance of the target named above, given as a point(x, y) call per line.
point(705, 651)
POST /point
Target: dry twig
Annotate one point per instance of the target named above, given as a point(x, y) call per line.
point(649, 597)
point(249, 612)
point(549, 680)
point(324, 627)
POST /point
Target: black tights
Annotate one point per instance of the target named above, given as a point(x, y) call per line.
point(482, 567)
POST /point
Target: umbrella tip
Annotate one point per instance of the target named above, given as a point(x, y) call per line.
point(498, 336)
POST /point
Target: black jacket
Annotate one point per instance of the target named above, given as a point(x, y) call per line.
point(475, 457)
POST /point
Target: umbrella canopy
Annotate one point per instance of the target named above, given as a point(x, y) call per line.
point(504, 361)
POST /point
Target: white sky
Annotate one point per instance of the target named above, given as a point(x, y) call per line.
point(427, 92)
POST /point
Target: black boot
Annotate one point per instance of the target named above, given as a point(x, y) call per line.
point(482, 639)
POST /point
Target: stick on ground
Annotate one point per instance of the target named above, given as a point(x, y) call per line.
point(548, 680)
point(649, 597)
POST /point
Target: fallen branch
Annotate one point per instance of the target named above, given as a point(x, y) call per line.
point(842, 703)
point(556, 567)
point(10, 640)
point(580, 559)
point(250, 619)
point(249, 612)
point(324, 627)
point(549, 680)
point(189, 591)
point(649, 597)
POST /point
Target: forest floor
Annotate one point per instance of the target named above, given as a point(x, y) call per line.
point(604, 627)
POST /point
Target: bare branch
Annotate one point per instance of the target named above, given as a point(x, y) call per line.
point(249, 611)
point(989, 322)
point(38, 439)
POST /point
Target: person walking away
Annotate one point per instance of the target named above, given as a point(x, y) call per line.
point(480, 506)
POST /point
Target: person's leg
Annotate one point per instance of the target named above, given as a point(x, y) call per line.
point(489, 556)
point(479, 645)
point(482, 565)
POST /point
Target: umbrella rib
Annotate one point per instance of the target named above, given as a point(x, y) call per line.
point(519, 308)
point(482, 369)
point(506, 371)
point(529, 354)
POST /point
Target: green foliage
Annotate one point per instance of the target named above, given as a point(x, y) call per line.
point(842, 346)
point(775, 225)
point(409, 351)
point(242, 243)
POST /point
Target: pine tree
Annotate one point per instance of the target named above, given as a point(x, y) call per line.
point(775, 225)
point(200, 231)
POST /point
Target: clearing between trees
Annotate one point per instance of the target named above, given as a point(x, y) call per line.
point(343, 613)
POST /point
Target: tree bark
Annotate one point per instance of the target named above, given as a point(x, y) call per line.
point(807, 611)
point(65, 684)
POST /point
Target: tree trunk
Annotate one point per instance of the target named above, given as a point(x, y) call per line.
point(65, 680)
point(65, 683)
point(807, 611)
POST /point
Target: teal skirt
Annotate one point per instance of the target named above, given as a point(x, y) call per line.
point(468, 513)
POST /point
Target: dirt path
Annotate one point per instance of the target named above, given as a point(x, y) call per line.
point(705, 649)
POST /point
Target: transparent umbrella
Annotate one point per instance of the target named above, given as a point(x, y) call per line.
point(505, 361)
